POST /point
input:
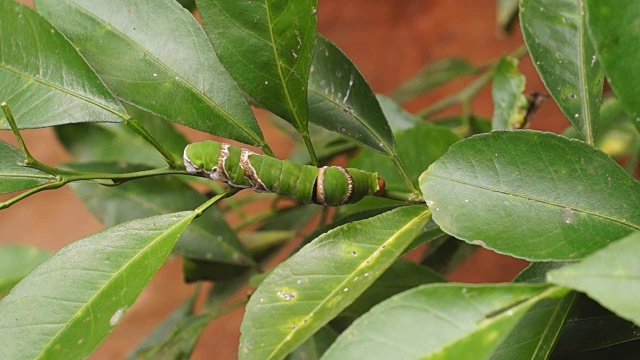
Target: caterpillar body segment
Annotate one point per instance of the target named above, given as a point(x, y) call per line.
point(242, 168)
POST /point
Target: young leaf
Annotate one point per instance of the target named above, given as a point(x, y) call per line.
point(533, 195)
point(117, 142)
point(556, 35)
point(341, 100)
point(209, 237)
point(444, 321)
point(43, 78)
point(510, 104)
point(267, 48)
point(68, 305)
point(156, 56)
point(14, 177)
point(417, 148)
point(609, 276)
point(306, 291)
point(16, 261)
point(613, 28)
point(432, 76)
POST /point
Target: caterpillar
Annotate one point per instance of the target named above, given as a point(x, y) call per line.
point(242, 168)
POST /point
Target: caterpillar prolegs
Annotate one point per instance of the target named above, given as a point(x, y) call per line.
point(242, 168)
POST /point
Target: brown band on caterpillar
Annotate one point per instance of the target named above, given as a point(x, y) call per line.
point(249, 171)
point(219, 173)
point(350, 185)
point(381, 185)
point(320, 195)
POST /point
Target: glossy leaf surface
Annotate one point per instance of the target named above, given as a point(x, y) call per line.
point(16, 261)
point(43, 78)
point(610, 276)
point(341, 100)
point(14, 177)
point(267, 48)
point(310, 288)
point(614, 30)
point(550, 198)
point(156, 56)
point(65, 308)
point(417, 148)
point(557, 37)
point(509, 102)
point(443, 321)
point(209, 237)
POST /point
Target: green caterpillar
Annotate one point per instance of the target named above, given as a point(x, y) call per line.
point(242, 168)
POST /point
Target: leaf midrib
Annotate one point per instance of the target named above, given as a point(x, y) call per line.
point(629, 224)
point(341, 285)
point(180, 78)
point(110, 280)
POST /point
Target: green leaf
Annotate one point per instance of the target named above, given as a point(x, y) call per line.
point(537, 332)
point(610, 276)
point(341, 100)
point(613, 28)
point(417, 148)
point(16, 261)
point(443, 321)
point(432, 76)
point(267, 48)
point(315, 346)
point(117, 142)
point(533, 195)
point(209, 237)
point(68, 305)
point(43, 78)
point(506, 14)
point(556, 35)
point(510, 104)
point(399, 119)
point(14, 177)
point(591, 329)
point(402, 275)
point(310, 288)
point(170, 70)
point(165, 329)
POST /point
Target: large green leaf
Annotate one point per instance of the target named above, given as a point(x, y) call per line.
point(556, 35)
point(398, 118)
point(432, 76)
point(614, 29)
point(417, 148)
point(510, 104)
point(14, 177)
point(16, 261)
point(267, 48)
point(306, 291)
point(157, 57)
point(530, 194)
point(341, 100)
point(117, 142)
point(610, 276)
point(209, 237)
point(68, 305)
point(438, 321)
point(43, 78)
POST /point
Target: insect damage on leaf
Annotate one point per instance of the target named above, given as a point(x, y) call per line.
point(242, 168)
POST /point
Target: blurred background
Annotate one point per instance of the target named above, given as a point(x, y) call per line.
point(389, 40)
